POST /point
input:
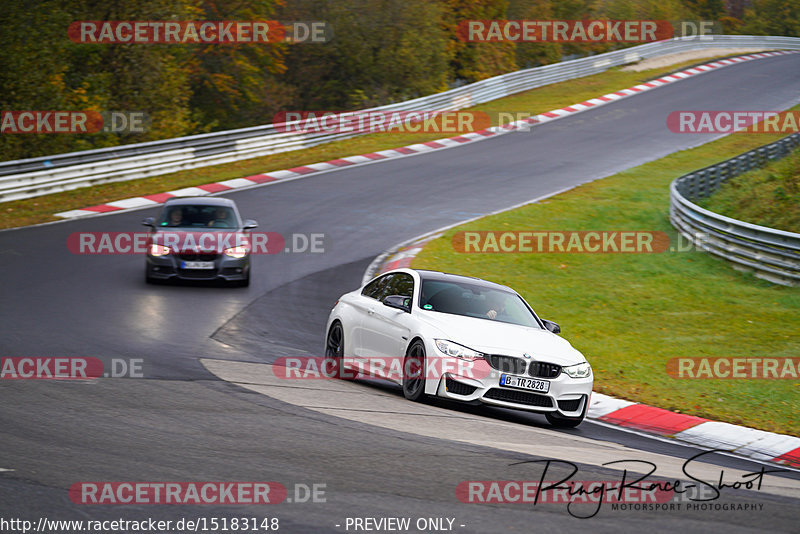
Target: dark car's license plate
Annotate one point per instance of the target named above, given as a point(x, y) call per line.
point(197, 265)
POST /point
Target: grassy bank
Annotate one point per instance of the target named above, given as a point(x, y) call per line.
point(769, 196)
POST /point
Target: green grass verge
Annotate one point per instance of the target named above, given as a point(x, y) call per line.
point(769, 196)
point(41, 209)
point(630, 313)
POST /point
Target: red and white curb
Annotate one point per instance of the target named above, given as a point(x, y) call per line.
point(410, 150)
point(739, 440)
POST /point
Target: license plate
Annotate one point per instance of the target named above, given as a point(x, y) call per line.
point(509, 381)
point(197, 265)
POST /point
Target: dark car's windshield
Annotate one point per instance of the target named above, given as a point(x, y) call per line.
point(475, 301)
point(197, 216)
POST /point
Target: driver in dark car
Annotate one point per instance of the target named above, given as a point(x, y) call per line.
point(175, 217)
point(222, 218)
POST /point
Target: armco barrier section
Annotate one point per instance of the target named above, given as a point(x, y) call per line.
point(51, 174)
point(771, 254)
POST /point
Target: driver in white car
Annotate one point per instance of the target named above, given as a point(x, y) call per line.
point(496, 303)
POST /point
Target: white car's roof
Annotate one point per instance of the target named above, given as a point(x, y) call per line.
point(425, 274)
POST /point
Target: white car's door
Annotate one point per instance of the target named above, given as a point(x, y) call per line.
point(364, 306)
point(385, 330)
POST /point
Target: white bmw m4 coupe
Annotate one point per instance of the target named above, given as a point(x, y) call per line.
point(461, 338)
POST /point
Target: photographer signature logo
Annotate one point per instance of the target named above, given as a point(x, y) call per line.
point(629, 489)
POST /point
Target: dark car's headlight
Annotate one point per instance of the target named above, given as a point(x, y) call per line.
point(237, 252)
point(158, 250)
point(581, 370)
point(454, 350)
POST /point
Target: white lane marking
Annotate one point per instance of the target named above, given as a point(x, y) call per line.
point(75, 213)
point(134, 202)
point(391, 153)
point(189, 192)
point(237, 182)
point(746, 441)
point(283, 174)
point(358, 159)
point(676, 441)
point(603, 404)
point(447, 142)
point(322, 166)
point(419, 147)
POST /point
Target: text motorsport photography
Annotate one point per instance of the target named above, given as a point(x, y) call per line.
point(635, 490)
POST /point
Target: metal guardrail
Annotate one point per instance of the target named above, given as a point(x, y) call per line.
point(39, 176)
point(771, 254)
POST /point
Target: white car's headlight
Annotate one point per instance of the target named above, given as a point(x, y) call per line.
point(237, 252)
point(454, 350)
point(582, 370)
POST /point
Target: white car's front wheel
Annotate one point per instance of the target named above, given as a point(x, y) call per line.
point(414, 372)
point(334, 351)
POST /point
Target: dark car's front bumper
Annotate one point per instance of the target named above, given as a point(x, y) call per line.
point(171, 267)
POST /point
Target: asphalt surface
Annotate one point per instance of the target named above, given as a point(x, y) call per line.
point(181, 423)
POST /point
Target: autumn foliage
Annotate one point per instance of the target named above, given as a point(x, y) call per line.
point(381, 51)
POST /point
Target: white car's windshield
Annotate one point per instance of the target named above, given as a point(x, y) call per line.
point(476, 301)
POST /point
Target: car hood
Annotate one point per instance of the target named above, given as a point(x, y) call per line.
point(493, 337)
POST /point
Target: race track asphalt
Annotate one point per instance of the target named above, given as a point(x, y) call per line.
point(182, 423)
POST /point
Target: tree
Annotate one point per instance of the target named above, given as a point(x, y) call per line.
point(33, 65)
point(42, 69)
point(382, 51)
point(772, 17)
point(476, 61)
point(237, 85)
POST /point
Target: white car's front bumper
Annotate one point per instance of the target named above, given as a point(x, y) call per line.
point(566, 395)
